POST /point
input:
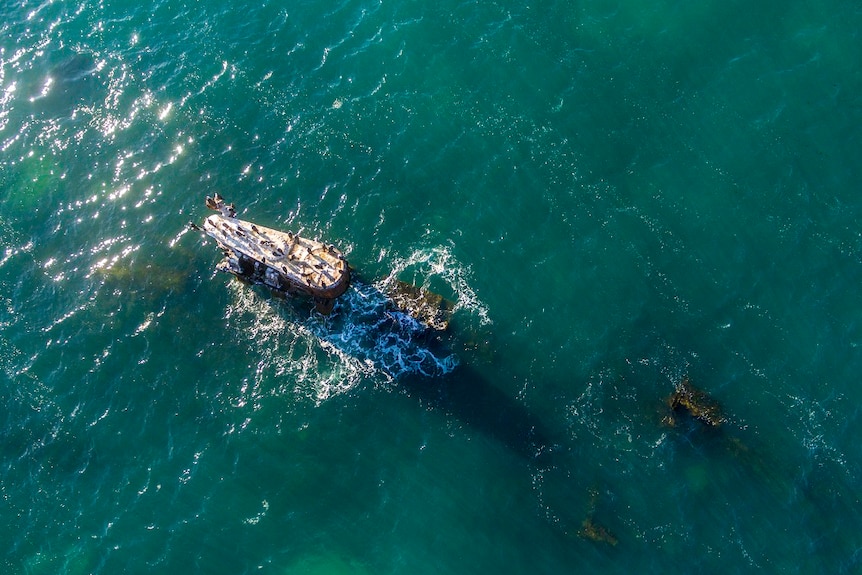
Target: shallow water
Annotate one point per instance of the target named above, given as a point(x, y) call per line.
point(614, 196)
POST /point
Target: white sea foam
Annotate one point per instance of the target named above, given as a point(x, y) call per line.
point(364, 337)
point(437, 264)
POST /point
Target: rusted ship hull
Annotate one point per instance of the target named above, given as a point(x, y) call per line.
point(282, 261)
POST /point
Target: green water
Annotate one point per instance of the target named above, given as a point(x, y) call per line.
point(614, 195)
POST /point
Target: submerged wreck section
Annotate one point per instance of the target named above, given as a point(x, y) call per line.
point(282, 261)
point(697, 403)
point(430, 309)
point(592, 530)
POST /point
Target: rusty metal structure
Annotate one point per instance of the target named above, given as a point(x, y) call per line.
point(284, 262)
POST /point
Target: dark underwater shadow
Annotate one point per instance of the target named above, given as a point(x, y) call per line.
point(569, 497)
point(462, 392)
point(421, 362)
point(468, 396)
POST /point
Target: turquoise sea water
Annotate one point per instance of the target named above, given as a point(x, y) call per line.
point(615, 196)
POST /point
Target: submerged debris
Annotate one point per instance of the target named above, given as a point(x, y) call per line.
point(427, 307)
point(696, 403)
point(595, 532)
point(592, 530)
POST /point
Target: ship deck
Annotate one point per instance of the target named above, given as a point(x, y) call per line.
point(311, 266)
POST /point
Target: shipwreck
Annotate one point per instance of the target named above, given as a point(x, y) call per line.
point(284, 262)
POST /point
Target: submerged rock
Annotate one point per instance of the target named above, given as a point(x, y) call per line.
point(592, 530)
point(427, 307)
point(595, 532)
point(697, 403)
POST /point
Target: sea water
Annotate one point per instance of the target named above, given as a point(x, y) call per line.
point(614, 196)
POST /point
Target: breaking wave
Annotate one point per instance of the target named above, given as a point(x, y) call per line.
point(364, 337)
point(437, 269)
